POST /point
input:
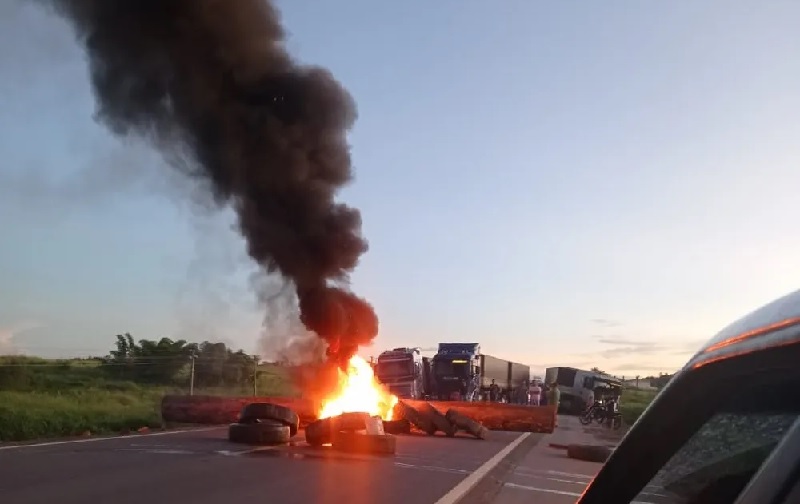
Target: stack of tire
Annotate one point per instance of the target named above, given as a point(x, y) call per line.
point(347, 433)
point(264, 424)
point(430, 421)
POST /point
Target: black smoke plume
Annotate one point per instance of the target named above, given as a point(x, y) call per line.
point(210, 84)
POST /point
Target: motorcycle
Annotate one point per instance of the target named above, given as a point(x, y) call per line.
point(595, 412)
point(599, 413)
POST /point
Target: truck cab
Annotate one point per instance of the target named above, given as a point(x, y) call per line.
point(405, 372)
point(578, 385)
point(456, 371)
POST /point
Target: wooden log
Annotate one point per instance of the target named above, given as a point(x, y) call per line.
point(214, 410)
point(415, 418)
point(499, 416)
point(466, 424)
point(439, 420)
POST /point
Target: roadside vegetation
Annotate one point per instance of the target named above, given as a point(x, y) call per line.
point(42, 398)
point(633, 403)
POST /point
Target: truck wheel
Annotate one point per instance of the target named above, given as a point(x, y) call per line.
point(268, 411)
point(355, 442)
point(589, 453)
point(439, 421)
point(266, 433)
point(401, 426)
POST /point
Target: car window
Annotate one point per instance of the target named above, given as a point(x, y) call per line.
point(716, 464)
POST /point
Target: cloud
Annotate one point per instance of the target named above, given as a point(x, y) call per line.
point(8, 335)
point(626, 346)
point(606, 322)
point(638, 367)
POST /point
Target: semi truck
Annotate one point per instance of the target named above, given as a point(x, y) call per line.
point(405, 372)
point(577, 385)
point(462, 372)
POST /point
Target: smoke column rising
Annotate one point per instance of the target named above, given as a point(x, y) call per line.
point(210, 84)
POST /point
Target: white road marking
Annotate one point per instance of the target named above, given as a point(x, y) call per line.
point(231, 453)
point(465, 485)
point(161, 451)
point(570, 475)
point(558, 492)
point(544, 490)
point(109, 438)
point(432, 468)
point(547, 478)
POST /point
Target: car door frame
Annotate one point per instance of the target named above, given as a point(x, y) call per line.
point(694, 395)
point(776, 481)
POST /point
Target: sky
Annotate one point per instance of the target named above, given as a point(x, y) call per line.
point(567, 183)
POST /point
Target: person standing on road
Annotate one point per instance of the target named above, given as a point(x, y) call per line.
point(535, 393)
point(555, 395)
point(543, 395)
point(523, 396)
point(494, 392)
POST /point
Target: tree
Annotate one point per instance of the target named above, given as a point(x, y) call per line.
point(597, 370)
point(164, 360)
point(148, 360)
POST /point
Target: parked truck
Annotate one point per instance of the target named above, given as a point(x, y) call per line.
point(405, 372)
point(578, 385)
point(462, 372)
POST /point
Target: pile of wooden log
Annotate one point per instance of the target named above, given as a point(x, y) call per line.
point(211, 410)
point(429, 420)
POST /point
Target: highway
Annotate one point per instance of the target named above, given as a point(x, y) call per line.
point(202, 467)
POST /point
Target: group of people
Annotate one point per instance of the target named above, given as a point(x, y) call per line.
point(532, 393)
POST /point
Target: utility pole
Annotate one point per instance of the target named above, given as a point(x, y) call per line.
point(255, 375)
point(191, 375)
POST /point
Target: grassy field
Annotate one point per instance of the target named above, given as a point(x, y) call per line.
point(633, 403)
point(41, 398)
point(55, 398)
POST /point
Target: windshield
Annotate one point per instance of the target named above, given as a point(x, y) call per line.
point(719, 460)
point(450, 368)
point(394, 368)
point(566, 377)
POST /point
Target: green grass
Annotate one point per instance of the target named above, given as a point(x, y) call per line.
point(44, 398)
point(633, 404)
point(33, 415)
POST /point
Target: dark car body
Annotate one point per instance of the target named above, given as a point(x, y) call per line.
point(725, 428)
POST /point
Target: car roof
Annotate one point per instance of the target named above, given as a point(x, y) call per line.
point(762, 328)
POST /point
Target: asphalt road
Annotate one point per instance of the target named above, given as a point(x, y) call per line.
point(202, 467)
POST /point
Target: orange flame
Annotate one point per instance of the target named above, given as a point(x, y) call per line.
point(359, 391)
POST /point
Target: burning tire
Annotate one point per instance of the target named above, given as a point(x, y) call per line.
point(418, 420)
point(321, 431)
point(440, 421)
point(267, 411)
point(266, 433)
point(401, 426)
point(467, 424)
point(589, 453)
point(356, 442)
